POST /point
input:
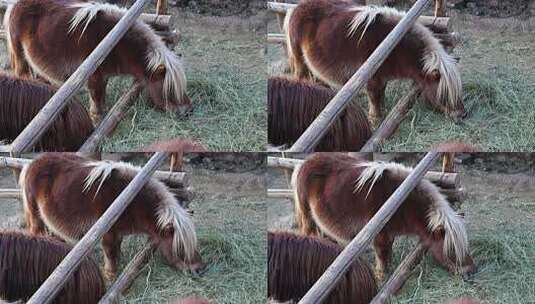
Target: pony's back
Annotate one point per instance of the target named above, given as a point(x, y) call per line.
point(296, 262)
point(22, 99)
point(292, 107)
point(26, 261)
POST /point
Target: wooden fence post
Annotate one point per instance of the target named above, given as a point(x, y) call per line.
point(54, 283)
point(44, 119)
point(321, 289)
point(315, 132)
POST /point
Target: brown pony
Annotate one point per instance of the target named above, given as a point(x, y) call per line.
point(331, 39)
point(22, 99)
point(53, 37)
point(27, 261)
point(68, 194)
point(338, 194)
point(294, 104)
point(296, 262)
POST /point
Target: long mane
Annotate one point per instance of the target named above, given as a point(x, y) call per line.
point(22, 99)
point(439, 215)
point(434, 57)
point(169, 211)
point(157, 52)
point(292, 107)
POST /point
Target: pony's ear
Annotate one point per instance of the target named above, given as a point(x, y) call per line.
point(168, 230)
point(434, 75)
point(159, 71)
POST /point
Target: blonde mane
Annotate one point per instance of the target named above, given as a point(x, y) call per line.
point(434, 58)
point(157, 55)
point(169, 211)
point(439, 214)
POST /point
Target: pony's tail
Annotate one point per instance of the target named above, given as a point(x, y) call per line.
point(294, 37)
point(31, 209)
point(17, 59)
point(303, 214)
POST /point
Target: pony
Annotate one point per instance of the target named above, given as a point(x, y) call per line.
point(338, 194)
point(294, 104)
point(331, 39)
point(67, 194)
point(296, 262)
point(21, 100)
point(177, 147)
point(26, 261)
point(53, 37)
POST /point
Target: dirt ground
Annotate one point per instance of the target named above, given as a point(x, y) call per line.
point(230, 218)
point(500, 217)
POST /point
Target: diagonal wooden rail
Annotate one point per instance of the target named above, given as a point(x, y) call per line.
point(315, 132)
point(44, 119)
point(325, 284)
point(55, 282)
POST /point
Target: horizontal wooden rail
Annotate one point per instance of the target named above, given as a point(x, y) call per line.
point(400, 276)
point(325, 284)
point(280, 193)
point(47, 115)
point(442, 179)
point(129, 274)
point(156, 20)
point(55, 282)
point(391, 123)
point(437, 24)
point(10, 193)
point(112, 119)
point(315, 132)
point(172, 179)
point(5, 148)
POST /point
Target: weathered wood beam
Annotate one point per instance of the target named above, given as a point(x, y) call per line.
point(329, 279)
point(161, 7)
point(280, 193)
point(129, 274)
point(444, 180)
point(400, 276)
point(391, 123)
point(448, 40)
point(112, 119)
point(319, 127)
point(5, 148)
point(10, 193)
point(161, 21)
point(55, 282)
point(47, 115)
point(172, 179)
point(436, 24)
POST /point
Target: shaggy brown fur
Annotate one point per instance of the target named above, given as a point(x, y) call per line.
point(22, 99)
point(456, 147)
point(329, 199)
point(321, 41)
point(27, 261)
point(192, 300)
point(464, 300)
point(296, 262)
point(292, 107)
point(40, 38)
point(68, 194)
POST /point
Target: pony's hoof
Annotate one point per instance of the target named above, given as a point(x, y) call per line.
point(375, 121)
point(96, 118)
point(380, 276)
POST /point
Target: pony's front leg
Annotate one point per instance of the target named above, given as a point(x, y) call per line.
point(111, 245)
point(97, 89)
point(383, 253)
point(376, 93)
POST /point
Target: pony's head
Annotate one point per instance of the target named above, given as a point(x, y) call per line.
point(440, 82)
point(448, 243)
point(177, 240)
point(166, 83)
